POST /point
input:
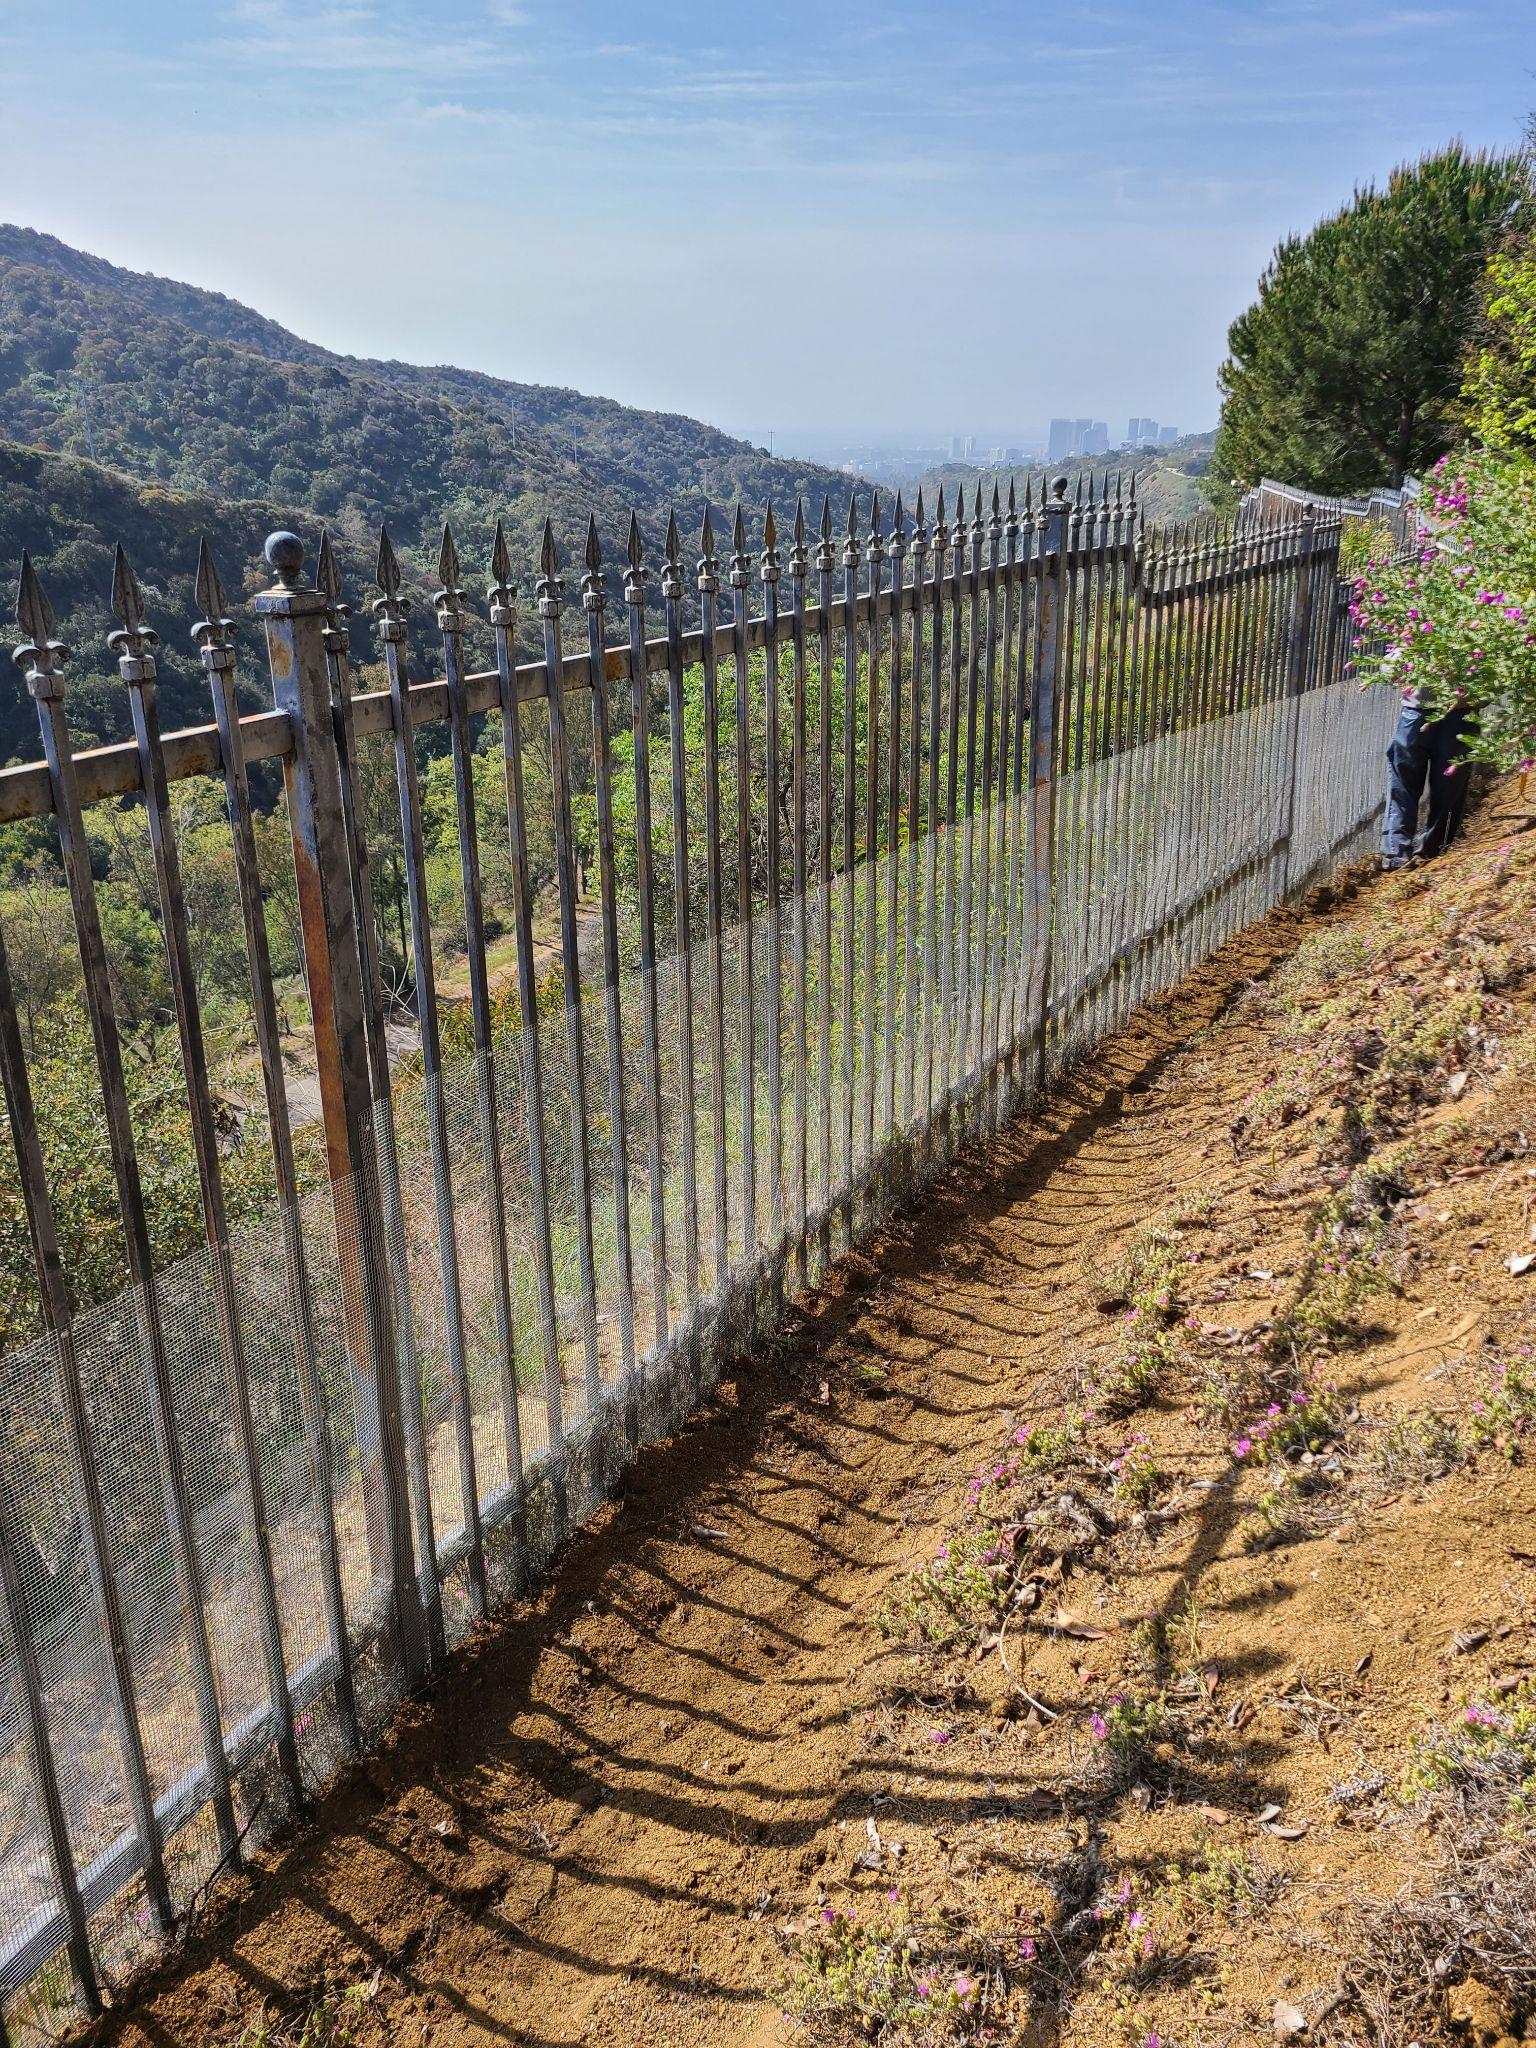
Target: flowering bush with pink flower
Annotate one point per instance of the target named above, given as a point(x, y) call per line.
point(1456, 621)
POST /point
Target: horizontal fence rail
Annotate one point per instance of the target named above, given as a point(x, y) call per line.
point(628, 988)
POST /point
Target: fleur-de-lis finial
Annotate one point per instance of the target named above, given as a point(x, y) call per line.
point(770, 560)
point(634, 554)
point(500, 596)
point(214, 634)
point(592, 594)
point(39, 656)
point(135, 641)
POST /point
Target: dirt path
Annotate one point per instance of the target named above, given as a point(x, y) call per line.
point(598, 1828)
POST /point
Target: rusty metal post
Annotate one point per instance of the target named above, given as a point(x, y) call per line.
point(294, 619)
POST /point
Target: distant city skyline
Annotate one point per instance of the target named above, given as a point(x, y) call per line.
point(691, 210)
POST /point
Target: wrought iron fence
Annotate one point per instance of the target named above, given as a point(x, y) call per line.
point(874, 862)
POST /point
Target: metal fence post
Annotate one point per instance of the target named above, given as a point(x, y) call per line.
point(1044, 693)
point(294, 618)
point(1297, 651)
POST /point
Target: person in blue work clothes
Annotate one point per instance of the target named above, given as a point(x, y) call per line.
point(1424, 748)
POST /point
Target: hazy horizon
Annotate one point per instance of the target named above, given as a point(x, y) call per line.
point(910, 217)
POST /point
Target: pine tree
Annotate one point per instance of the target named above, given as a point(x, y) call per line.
point(1344, 372)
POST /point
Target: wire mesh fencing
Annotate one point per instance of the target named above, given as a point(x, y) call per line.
point(633, 984)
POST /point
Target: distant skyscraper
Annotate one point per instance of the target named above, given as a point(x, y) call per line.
point(1062, 442)
point(1095, 439)
point(955, 446)
point(1166, 435)
point(1141, 433)
point(970, 446)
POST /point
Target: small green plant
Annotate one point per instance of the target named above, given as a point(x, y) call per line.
point(330, 2020)
point(1128, 1726)
point(1503, 1410)
point(1138, 1478)
point(874, 1975)
point(1306, 1420)
point(962, 1590)
point(1419, 1446)
point(1146, 1286)
point(1489, 1748)
point(1274, 1519)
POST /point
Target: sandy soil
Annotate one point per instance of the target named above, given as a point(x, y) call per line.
point(617, 1818)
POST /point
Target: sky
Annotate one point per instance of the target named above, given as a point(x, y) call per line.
point(879, 221)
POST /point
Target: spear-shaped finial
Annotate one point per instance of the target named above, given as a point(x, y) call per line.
point(799, 562)
point(448, 599)
point(550, 592)
point(940, 526)
point(39, 656)
point(634, 554)
point(851, 533)
point(770, 560)
point(390, 607)
point(1029, 497)
point(672, 560)
point(213, 634)
point(327, 574)
point(876, 537)
point(386, 571)
point(898, 526)
point(709, 567)
point(501, 597)
point(997, 507)
point(825, 557)
point(134, 642)
point(592, 596)
point(741, 561)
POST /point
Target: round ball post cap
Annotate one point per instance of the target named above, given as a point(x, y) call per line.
point(285, 553)
point(1060, 487)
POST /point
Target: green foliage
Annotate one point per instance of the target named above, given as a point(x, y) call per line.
point(1457, 623)
point(1344, 371)
point(1498, 396)
point(874, 1975)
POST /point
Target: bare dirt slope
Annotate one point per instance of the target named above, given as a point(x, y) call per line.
point(867, 1703)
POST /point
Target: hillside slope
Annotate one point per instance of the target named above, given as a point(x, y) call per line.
point(167, 381)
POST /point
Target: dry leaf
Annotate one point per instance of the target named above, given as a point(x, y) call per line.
point(1521, 1262)
point(1288, 2019)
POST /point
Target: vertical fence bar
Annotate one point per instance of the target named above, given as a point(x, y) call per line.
point(134, 643)
point(54, 1301)
point(594, 602)
point(499, 600)
point(968, 963)
point(551, 598)
point(825, 563)
point(871, 875)
point(45, 1774)
point(944, 540)
point(294, 621)
point(709, 587)
point(741, 576)
point(214, 637)
point(1023, 530)
point(1042, 764)
point(850, 699)
point(682, 900)
point(1003, 910)
point(645, 887)
point(984, 862)
point(799, 961)
point(389, 610)
point(919, 846)
point(768, 567)
point(448, 603)
point(40, 658)
point(898, 551)
point(1296, 650)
